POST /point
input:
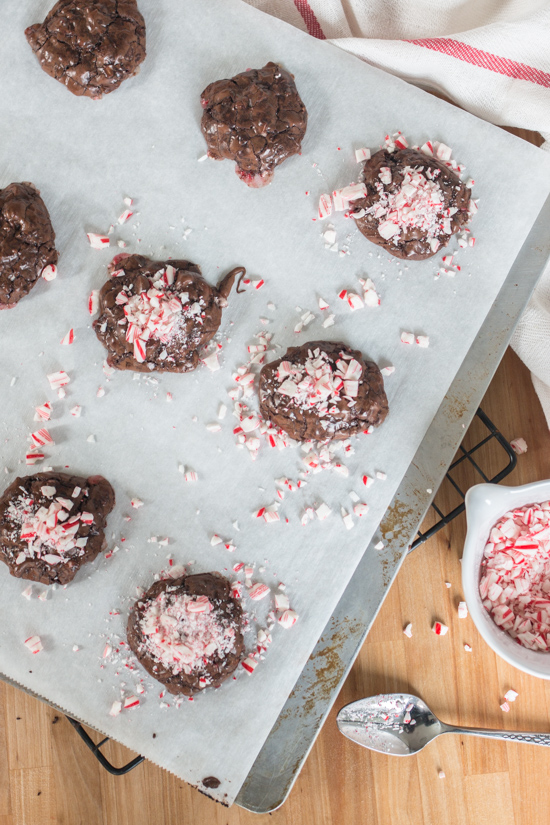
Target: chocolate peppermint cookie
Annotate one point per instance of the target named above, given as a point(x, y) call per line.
point(414, 203)
point(91, 46)
point(257, 119)
point(53, 523)
point(157, 315)
point(322, 390)
point(187, 632)
point(27, 242)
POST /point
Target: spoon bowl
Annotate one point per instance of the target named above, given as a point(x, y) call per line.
point(401, 724)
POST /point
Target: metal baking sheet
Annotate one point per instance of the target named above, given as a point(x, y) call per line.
point(279, 762)
point(144, 141)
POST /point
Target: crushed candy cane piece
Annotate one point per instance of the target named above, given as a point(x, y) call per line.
point(423, 341)
point(323, 511)
point(407, 337)
point(439, 628)
point(100, 392)
point(216, 540)
point(126, 215)
point(34, 644)
point(325, 207)
point(408, 630)
point(116, 708)
point(249, 664)
point(98, 241)
point(27, 592)
point(41, 437)
point(462, 610)
point(505, 707)
point(468, 648)
point(380, 475)
point(362, 154)
point(211, 361)
point(441, 774)
point(44, 411)
point(58, 379)
point(322, 303)
point(519, 446)
point(368, 481)
point(49, 273)
point(511, 695)
point(131, 702)
point(68, 338)
point(287, 619)
point(258, 591)
point(76, 410)
point(93, 302)
point(190, 475)
point(379, 545)
point(389, 370)
point(136, 503)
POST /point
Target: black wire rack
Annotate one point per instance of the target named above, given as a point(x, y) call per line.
point(470, 455)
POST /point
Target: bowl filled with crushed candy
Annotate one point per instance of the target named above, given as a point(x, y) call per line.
point(506, 571)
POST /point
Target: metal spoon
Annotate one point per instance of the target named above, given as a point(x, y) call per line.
point(401, 724)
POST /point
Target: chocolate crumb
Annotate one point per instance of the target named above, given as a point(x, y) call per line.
point(211, 782)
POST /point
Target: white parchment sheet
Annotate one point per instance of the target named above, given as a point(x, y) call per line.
point(144, 141)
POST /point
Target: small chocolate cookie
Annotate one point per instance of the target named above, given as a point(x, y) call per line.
point(256, 119)
point(27, 241)
point(414, 203)
point(187, 632)
point(53, 523)
point(322, 390)
point(91, 46)
point(156, 315)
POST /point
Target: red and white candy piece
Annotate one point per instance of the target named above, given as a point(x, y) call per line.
point(287, 619)
point(98, 241)
point(126, 215)
point(439, 628)
point(34, 644)
point(408, 630)
point(423, 341)
point(68, 338)
point(49, 273)
point(362, 155)
point(407, 337)
point(136, 503)
point(93, 302)
point(325, 207)
point(511, 695)
point(58, 379)
point(462, 610)
point(519, 446)
point(116, 707)
point(258, 591)
point(41, 437)
point(76, 410)
point(249, 664)
point(44, 411)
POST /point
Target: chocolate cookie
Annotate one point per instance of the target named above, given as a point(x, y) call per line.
point(156, 315)
point(321, 391)
point(91, 46)
point(27, 241)
point(187, 632)
point(414, 203)
point(256, 119)
point(53, 523)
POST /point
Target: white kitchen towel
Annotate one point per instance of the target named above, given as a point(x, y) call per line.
point(492, 57)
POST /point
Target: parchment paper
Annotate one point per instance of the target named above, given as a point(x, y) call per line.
point(144, 141)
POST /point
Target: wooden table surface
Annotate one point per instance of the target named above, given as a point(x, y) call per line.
point(47, 775)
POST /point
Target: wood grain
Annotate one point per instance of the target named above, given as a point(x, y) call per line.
point(48, 776)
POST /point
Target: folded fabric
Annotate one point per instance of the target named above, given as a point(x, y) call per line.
point(491, 58)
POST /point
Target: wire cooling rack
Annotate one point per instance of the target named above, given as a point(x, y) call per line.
point(468, 462)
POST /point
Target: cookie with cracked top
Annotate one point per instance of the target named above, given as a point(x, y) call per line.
point(414, 203)
point(323, 391)
point(188, 632)
point(91, 46)
point(27, 241)
point(53, 523)
point(158, 315)
point(257, 119)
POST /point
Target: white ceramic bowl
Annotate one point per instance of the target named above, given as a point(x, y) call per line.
point(485, 504)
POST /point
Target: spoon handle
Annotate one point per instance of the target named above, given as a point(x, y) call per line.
point(513, 736)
